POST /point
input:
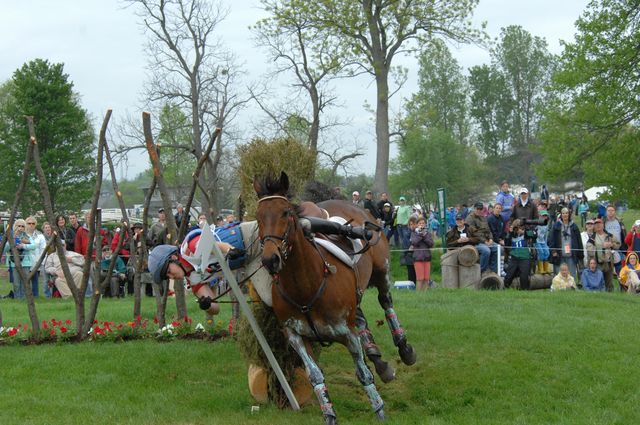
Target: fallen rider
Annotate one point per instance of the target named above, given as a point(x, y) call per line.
point(191, 260)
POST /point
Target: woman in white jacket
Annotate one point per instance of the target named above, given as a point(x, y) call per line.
point(41, 243)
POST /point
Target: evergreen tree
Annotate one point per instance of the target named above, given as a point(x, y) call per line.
point(65, 136)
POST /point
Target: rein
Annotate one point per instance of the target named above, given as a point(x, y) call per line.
point(284, 249)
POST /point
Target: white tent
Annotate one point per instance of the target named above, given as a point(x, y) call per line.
point(595, 192)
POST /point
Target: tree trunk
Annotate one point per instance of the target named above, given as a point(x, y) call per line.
point(381, 178)
point(172, 230)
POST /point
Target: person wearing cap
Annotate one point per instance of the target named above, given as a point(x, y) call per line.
point(601, 246)
point(524, 208)
point(486, 246)
point(460, 234)
point(387, 216)
point(565, 244)
point(402, 222)
point(158, 231)
point(384, 199)
point(355, 199)
point(506, 199)
point(370, 206)
point(585, 236)
point(632, 239)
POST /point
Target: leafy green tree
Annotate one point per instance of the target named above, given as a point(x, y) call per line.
point(591, 128)
point(174, 138)
point(434, 151)
point(441, 100)
point(66, 139)
point(430, 158)
point(507, 99)
point(371, 33)
point(490, 107)
point(309, 55)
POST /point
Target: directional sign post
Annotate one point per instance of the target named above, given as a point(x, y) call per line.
point(442, 207)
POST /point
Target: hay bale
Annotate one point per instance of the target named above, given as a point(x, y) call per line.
point(258, 378)
point(449, 265)
point(288, 359)
point(469, 277)
point(490, 280)
point(468, 255)
point(262, 157)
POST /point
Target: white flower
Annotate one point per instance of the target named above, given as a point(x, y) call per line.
point(199, 327)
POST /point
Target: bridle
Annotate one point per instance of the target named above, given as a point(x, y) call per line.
point(282, 243)
point(284, 249)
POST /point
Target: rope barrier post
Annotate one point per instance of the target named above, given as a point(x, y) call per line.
point(244, 306)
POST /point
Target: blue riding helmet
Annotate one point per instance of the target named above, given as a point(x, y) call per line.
point(159, 259)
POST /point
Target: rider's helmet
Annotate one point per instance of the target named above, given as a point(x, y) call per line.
point(159, 260)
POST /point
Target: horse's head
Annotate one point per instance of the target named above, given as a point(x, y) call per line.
point(276, 220)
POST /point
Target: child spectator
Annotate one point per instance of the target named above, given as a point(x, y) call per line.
point(563, 280)
point(421, 244)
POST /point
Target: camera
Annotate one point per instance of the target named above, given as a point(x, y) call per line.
point(534, 222)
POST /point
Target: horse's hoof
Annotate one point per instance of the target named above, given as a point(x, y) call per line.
point(330, 420)
point(407, 354)
point(380, 415)
point(385, 371)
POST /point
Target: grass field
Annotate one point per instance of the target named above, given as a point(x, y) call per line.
point(490, 358)
point(484, 358)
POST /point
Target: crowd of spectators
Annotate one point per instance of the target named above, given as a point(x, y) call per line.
point(528, 235)
point(49, 280)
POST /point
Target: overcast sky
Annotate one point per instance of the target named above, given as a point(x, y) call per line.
point(101, 44)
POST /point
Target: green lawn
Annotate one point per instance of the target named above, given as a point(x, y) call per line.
point(502, 357)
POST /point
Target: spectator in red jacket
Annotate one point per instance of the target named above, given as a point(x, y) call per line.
point(632, 240)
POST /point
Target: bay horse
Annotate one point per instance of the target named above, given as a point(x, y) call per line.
point(316, 296)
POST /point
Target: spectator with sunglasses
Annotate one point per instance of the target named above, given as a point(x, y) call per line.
point(41, 243)
point(24, 244)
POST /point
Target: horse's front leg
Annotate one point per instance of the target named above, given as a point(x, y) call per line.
point(364, 375)
point(315, 376)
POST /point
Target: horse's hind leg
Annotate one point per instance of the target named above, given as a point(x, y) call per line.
point(384, 370)
point(364, 375)
point(406, 351)
point(315, 377)
point(382, 282)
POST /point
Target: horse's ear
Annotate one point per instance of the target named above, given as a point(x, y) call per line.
point(284, 182)
point(257, 186)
